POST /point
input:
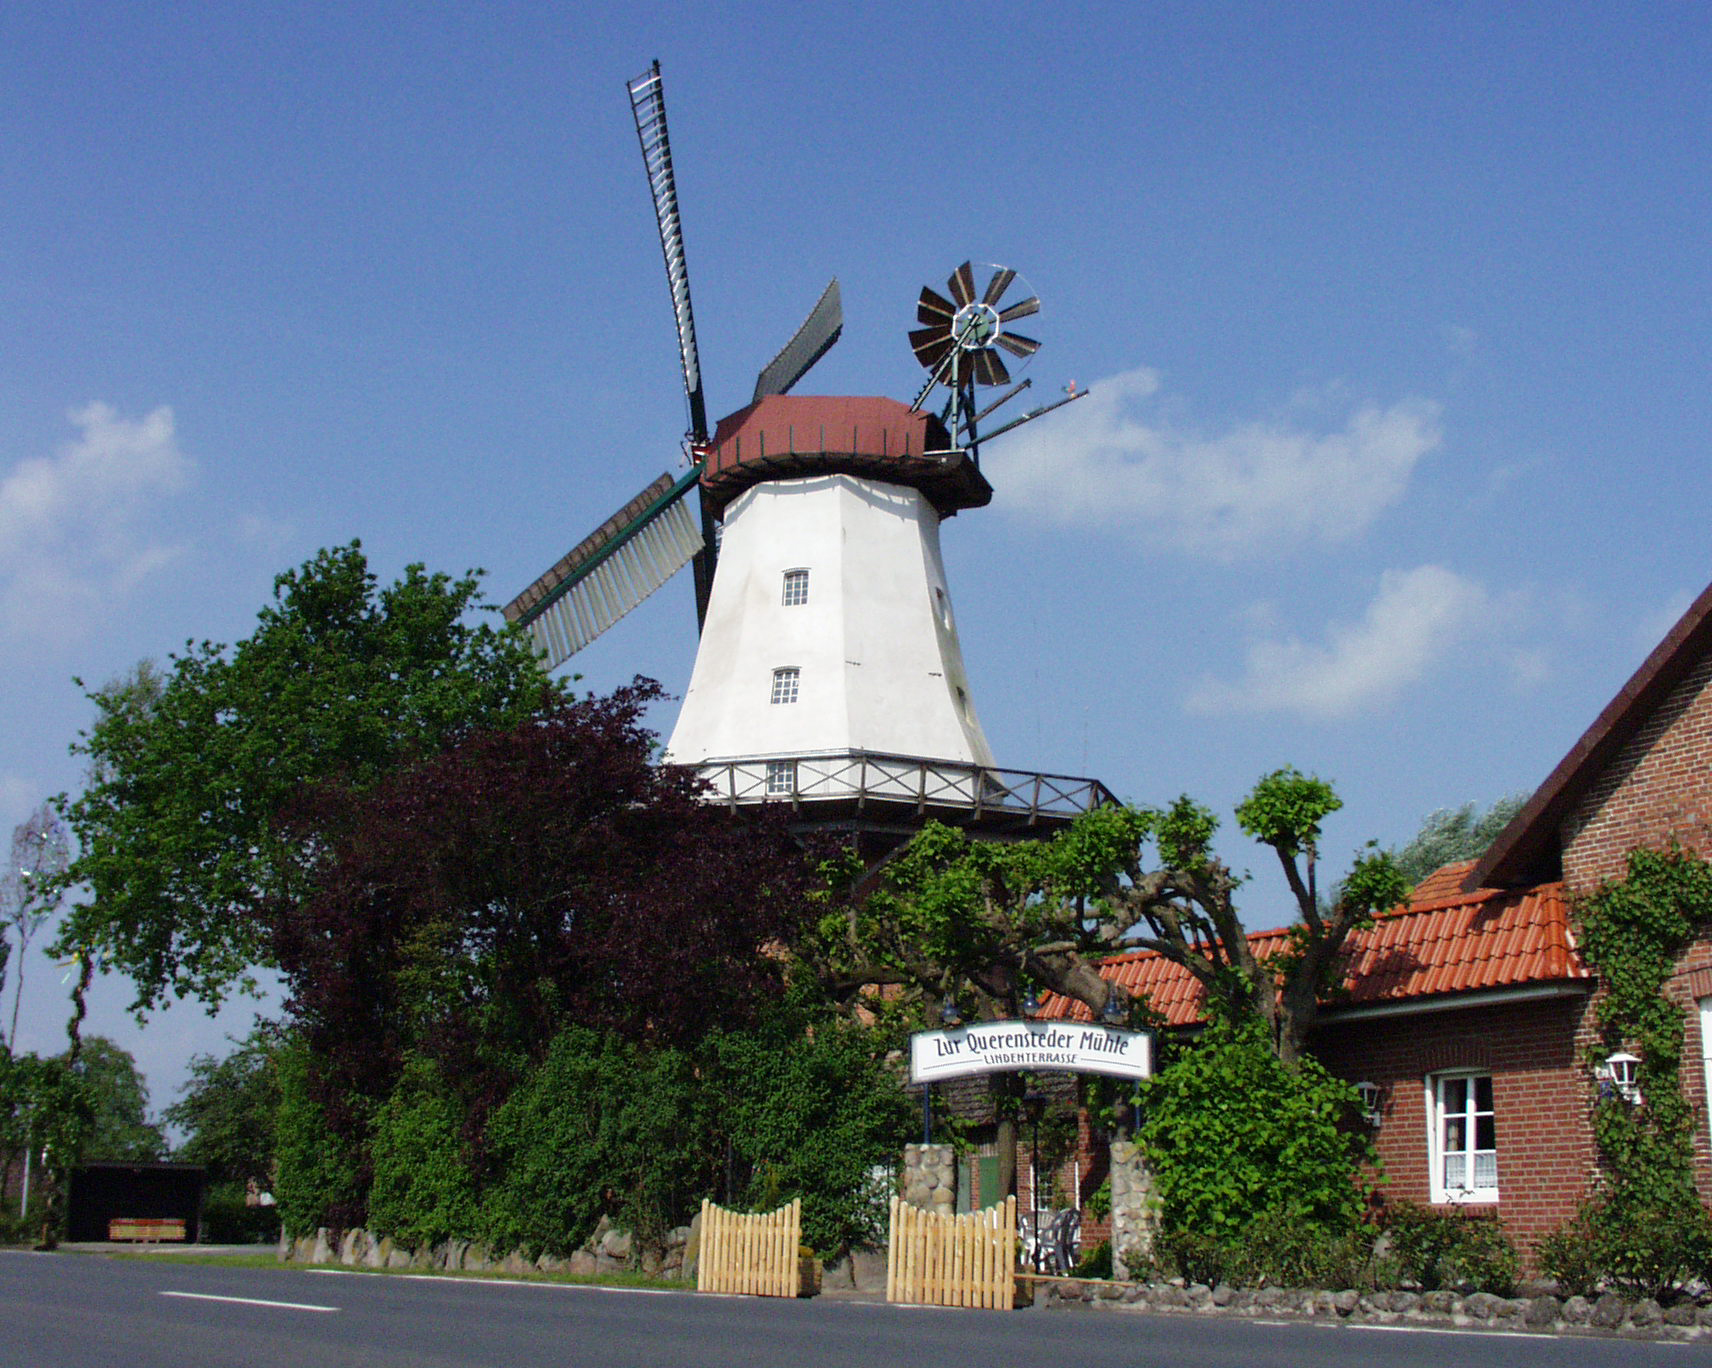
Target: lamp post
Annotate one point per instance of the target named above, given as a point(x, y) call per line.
point(1033, 1105)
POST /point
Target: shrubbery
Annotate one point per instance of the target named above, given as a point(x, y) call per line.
point(799, 1106)
point(1641, 1253)
point(601, 1128)
point(227, 1217)
point(1274, 1250)
point(422, 1190)
point(1438, 1249)
point(1235, 1136)
point(319, 1180)
point(1414, 1247)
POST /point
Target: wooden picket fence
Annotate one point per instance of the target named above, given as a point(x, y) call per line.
point(755, 1254)
point(967, 1260)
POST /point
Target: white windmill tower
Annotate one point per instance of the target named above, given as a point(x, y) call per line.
point(829, 673)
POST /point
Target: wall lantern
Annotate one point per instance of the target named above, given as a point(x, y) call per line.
point(1372, 1103)
point(1617, 1076)
point(948, 1013)
point(1030, 1003)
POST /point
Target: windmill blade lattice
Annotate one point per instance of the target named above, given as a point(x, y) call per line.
point(610, 571)
point(962, 335)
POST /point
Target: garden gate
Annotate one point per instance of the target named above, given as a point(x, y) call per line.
point(967, 1260)
point(755, 1254)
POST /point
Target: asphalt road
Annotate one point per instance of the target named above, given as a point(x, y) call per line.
point(70, 1311)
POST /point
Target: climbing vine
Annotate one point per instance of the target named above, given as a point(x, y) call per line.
point(1646, 1223)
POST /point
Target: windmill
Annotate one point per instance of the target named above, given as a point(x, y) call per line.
point(829, 671)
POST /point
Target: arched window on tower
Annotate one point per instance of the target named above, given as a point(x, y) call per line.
point(785, 682)
point(796, 588)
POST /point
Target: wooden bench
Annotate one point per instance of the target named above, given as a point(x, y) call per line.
point(147, 1228)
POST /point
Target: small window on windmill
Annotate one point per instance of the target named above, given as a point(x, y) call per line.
point(781, 776)
point(796, 588)
point(942, 606)
point(963, 705)
point(785, 683)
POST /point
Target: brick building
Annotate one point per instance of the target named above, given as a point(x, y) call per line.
point(1469, 1011)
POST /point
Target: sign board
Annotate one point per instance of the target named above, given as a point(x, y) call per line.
point(1002, 1046)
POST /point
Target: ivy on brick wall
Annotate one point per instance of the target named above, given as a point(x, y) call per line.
point(1646, 1222)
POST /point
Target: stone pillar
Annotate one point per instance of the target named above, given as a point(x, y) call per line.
point(1135, 1215)
point(930, 1178)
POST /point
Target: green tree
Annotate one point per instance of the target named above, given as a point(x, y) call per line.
point(189, 767)
point(1451, 834)
point(118, 1098)
point(44, 1108)
point(229, 1111)
point(985, 925)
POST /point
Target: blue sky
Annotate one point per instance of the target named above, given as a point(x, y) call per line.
point(1397, 319)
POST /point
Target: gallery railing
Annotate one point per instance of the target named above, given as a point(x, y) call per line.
point(894, 781)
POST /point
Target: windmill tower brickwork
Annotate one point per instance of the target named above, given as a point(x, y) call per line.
point(829, 675)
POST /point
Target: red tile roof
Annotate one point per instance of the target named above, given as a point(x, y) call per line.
point(1443, 942)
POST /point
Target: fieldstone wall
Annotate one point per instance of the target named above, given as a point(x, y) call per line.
point(929, 1178)
point(1607, 1316)
point(1134, 1212)
point(608, 1250)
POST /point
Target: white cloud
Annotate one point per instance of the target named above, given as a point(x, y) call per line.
point(74, 526)
point(1417, 618)
point(1255, 488)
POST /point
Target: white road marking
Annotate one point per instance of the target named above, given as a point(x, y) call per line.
point(251, 1301)
point(1462, 1332)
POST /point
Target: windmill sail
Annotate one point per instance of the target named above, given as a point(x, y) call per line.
point(817, 334)
point(610, 571)
point(648, 105)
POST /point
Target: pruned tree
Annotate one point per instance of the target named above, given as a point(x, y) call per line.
point(188, 767)
point(985, 925)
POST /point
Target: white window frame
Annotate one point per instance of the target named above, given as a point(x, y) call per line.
point(1439, 1122)
point(1705, 1005)
point(787, 684)
point(781, 777)
point(796, 580)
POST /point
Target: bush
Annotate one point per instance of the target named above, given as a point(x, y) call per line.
point(1641, 1253)
point(1571, 1256)
point(1234, 1135)
point(813, 1111)
point(1191, 1256)
point(1095, 1262)
point(1286, 1253)
point(319, 1181)
point(422, 1191)
point(1441, 1249)
point(1273, 1250)
point(601, 1128)
point(228, 1219)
